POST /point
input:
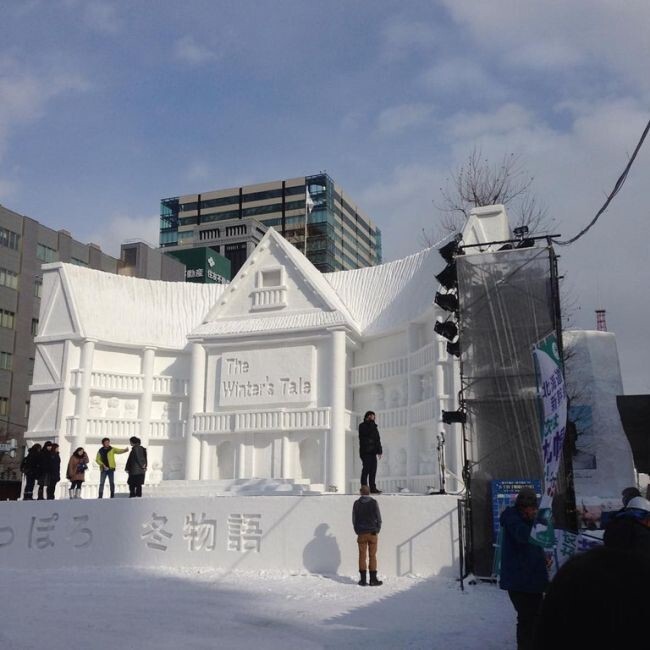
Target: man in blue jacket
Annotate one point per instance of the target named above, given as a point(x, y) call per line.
point(523, 565)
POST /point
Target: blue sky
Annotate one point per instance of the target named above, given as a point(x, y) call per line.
point(105, 107)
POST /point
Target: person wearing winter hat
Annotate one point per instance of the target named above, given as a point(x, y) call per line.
point(366, 520)
point(629, 493)
point(629, 530)
point(523, 565)
point(136, 467)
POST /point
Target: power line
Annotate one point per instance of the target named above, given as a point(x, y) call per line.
point(617, 187)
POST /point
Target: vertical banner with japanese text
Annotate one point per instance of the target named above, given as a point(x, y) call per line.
point(551, 392)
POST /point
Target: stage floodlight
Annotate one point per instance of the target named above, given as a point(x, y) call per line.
point(526, 243)
point(448, 277)
point(454, 417)
point(450, 249)
point(448, 301)
point(454, 349)
point(447, 329)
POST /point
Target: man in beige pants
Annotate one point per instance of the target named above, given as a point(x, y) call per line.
point(366, 520)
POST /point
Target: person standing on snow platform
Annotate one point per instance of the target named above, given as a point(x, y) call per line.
point(369, 450)
point(31, 468)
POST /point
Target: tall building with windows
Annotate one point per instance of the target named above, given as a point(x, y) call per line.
point(25, 245)
point(311, 212)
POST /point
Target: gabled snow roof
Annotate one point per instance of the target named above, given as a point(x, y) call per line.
point(382, 298)
point(337, 314)
point(133, 311)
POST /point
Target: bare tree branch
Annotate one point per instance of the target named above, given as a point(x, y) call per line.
point(477, 182)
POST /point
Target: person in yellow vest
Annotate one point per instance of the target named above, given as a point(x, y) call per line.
point(106, 460)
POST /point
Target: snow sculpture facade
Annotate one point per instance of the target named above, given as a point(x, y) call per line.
point(267, 377)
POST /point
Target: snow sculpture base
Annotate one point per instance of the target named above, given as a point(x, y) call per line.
point(312, 533)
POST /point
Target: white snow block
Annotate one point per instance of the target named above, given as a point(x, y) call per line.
point(603, 463)
point(303, 534)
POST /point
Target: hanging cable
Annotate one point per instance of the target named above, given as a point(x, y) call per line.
point(615, 191)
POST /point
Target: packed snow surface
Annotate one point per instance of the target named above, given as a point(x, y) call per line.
point(130, 608)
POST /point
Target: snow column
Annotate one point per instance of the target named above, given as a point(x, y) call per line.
point(336, 448)
point(413, 454)
point(147, 392)
point(86, 367)
point(197, 392)
point(205, 460)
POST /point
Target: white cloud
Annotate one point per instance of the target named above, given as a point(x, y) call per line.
point(396, 119)
point(402, 37)
point(187, 50)
point(120, 227)
point(102, 17)
point(562, 36)
point(506, 118)
point(461, 76)
point(24, 98)
point(199, 171)
point(7, 189)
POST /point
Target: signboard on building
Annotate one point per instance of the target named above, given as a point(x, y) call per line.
point(267, 376)
point(204, 264)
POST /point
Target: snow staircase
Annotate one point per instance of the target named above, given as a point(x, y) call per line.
point(234, 487)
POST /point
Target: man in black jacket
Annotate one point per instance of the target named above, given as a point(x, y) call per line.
point(31, 468)
point(369, 450)
point(52, 468)
point(366, 520)
point(136, 466)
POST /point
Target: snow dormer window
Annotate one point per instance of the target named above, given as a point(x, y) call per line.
point(271, 291)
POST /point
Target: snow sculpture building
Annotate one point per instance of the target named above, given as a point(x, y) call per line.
point(267, 377)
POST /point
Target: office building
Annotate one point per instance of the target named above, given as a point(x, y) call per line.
point(311, 212)
point(139, 260)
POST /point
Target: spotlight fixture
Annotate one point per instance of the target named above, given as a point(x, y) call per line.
point(454, 417)
point(526, 243)
point(447, 329)
point(448, 301)
point(454, 349)
point(450, 249)
point(448, 277)
point(521, 232)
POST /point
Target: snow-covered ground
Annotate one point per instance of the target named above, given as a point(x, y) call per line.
point(130, 608)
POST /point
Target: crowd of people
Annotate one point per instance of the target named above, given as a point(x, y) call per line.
point(595, 596)
point(42, 467)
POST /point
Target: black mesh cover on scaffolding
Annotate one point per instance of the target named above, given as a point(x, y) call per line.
point(508, 302)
